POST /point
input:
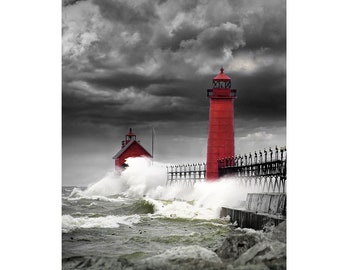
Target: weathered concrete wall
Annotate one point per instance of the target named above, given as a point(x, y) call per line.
point(247, 219)
point(271, 203)
point(260, 209)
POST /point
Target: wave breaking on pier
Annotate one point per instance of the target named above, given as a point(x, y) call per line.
point(146, 179)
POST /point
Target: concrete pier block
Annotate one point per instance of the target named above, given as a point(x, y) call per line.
point(260, 209)
point(272, 203)
point(247, 219)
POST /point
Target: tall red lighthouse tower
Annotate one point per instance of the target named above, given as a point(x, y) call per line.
point(221, 123)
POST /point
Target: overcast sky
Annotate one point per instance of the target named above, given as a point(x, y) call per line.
point(140, 64)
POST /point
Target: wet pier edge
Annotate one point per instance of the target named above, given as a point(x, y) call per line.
point(259, 240)
point(261, 210)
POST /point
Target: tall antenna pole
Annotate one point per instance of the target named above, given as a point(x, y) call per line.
point(152, 141)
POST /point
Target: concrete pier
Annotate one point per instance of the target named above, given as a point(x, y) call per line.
point(260, 209)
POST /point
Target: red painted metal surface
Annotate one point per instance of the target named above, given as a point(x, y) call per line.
point(222, 76)
point(221, 124)
point(134, 150)
point(130, 148)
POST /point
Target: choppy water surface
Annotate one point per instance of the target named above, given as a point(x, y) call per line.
point(130, 228)
point(133, 221)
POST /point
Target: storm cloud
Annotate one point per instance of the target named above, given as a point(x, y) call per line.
point(148, 63)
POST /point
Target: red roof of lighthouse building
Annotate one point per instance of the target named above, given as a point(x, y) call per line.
point(141, 150)
point(130, 148)
point(221, 76)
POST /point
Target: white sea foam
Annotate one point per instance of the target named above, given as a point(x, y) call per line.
point(148, 180)
point(70, 223)
point(184, 254)
point(181, 209)
point(142, 176)
point(82, 195)
point(207, 198)
point(109, 185)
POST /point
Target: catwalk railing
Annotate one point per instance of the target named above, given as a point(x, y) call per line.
point(259, 172)
point(186, 174)
point(263, 171)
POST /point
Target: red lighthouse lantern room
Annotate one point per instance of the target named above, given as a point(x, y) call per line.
point(221, 123)
point(130, 148)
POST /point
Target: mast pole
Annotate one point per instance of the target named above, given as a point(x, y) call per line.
point(152, 141)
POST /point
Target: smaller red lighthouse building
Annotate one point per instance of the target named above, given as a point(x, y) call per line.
point(130, 148)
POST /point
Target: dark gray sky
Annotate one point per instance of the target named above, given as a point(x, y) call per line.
point(148, 63)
